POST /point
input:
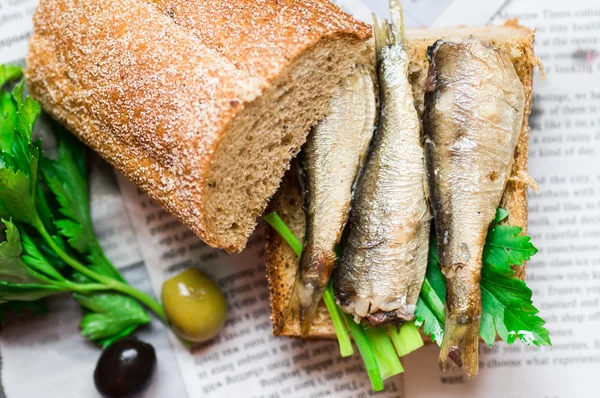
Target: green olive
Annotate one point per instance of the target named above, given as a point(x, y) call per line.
point(195, 305)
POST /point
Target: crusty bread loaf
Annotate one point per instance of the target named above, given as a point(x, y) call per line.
point(281, 261)
point(202, 104)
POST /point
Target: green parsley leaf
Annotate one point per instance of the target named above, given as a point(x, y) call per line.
point(111, 315)
point(8, 108)
point(125, 332)
point(28, 113)
point(23, 151)
point(74, 233)
point(43, 210)
point(488, 328)
point(16, 197)
point(47, 252)
point(507, 308)
point(432, 325)
point(17, 94)
point(12, 267)
point(66, 178)
point(8, 120)
point(434, 274)
point(34, 259)
point(505, 246)
point(507, 304)
point(8, 73)
point(18, 177)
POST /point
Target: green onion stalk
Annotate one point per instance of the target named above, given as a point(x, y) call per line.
point(379, 348)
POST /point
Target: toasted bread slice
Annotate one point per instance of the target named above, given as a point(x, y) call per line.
point(202, 104)
point(282, 263)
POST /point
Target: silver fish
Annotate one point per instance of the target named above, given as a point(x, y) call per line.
point(474, 106)
point(380, 273)
point(331, 159)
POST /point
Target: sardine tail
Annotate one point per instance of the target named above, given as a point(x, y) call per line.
point(461, 344)
point(380, 31)
point(387, 34)
point(397, 18)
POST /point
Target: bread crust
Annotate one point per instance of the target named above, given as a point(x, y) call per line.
point(154, 87)
point(281, 262)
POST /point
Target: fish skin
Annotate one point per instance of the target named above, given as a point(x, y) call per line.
point(330, 162)
point(380, 273)
point(474, 106)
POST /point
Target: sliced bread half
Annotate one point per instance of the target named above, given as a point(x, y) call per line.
point(202, 104)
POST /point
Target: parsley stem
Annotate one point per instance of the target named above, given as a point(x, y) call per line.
point(70, 260)
point(338, 323)
point(143, 298)
point(81, 287)
point(88, 287)
point(109, 283)
point(106, 262)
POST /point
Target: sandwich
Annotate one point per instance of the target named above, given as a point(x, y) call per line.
point(413, 162)
point(445, 174)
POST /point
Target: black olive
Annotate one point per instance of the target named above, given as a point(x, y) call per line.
point(125, 368)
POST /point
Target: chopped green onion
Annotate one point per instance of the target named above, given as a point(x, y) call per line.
point(341, 331)
point(381, 342)
point(338, 323)
point(387, 360)
point(279, 226)
point(365, 352)
point(407, 339)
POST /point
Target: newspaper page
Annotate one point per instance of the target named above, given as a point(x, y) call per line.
point(564, 222)
point(15, 28)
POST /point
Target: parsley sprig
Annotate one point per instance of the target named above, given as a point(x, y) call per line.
point(50, 244)
point(507, 307)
